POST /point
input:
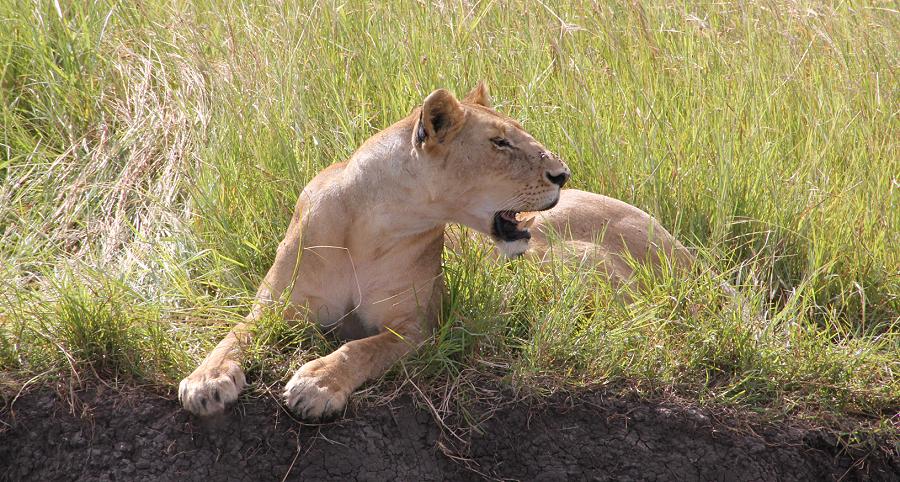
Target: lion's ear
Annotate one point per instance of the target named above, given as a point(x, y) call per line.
point(479, 95)
point(440, 118)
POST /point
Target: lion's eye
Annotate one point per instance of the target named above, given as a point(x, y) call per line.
point(500, 142)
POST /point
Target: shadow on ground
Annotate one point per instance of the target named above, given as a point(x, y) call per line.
point(140, 436)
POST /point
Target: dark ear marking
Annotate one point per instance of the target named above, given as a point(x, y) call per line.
point(420, 131)
point(438, 120)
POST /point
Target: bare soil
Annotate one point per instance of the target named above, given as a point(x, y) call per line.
point(139, 435)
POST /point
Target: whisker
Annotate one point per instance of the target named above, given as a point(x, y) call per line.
point(512, 202)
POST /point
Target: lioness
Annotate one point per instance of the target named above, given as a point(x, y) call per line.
point(363, 248)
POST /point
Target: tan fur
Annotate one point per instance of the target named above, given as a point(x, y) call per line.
point(364, 245)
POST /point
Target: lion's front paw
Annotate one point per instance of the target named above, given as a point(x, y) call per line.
point(208, 390)
point(315, 392)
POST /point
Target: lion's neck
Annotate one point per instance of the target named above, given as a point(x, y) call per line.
point(387, 187)
point(420, 193)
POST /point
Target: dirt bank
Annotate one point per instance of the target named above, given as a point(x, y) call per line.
point(142, 436)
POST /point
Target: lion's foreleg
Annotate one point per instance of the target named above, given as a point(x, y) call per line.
point(219, 378)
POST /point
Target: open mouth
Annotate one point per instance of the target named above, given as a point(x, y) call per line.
point(506, 227)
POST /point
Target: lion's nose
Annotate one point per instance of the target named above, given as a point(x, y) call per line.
point(558, 179)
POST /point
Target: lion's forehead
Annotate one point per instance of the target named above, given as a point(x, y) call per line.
point(497, 116)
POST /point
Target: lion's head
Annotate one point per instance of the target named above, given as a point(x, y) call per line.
point(485, 163)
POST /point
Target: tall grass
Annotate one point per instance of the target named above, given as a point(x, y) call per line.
point(151, 153)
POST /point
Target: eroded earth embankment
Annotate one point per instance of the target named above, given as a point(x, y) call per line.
point(142, 436)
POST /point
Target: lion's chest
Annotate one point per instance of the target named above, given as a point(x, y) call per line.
point(358, 293)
